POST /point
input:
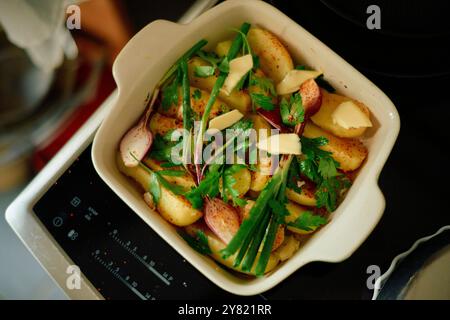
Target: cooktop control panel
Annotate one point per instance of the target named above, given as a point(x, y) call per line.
point(120, 254)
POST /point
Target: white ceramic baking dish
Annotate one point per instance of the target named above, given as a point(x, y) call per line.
point(155, 48)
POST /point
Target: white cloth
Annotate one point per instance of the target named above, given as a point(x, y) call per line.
point(39, 28)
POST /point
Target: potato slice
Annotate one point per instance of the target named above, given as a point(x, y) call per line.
point(287, 248)
point(274, 58)
point(174, 208)
point(216, 245)
point(306, 197)
point(186, 180)
point(350, 153)
point(237, 99)
point(160, 124)
point(294, 212)
point(323, 118)
point(198, 105)
point(223, 47)
point(243, 181)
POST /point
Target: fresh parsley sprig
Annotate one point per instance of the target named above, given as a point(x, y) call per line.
point(319, 166)
point(292, 111)
point(308, 221)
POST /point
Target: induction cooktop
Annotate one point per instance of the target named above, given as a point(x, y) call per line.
point(67, 216)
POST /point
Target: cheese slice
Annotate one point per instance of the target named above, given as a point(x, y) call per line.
point(225, 120)
point(349, 115)
point(238, 68)
point(283, 143)
point(294, 79)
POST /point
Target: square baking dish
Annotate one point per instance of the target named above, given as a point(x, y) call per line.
point(146, 58)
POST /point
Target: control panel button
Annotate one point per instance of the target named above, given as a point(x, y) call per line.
point(57, 222)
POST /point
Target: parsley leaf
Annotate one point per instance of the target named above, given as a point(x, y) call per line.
point(162, 150)
point(228, 182)
point(327, 167)
point(293, 176)
point(329, 191)
point(308, 221)
point(292, 112)
point(319, 166)
point(265, 84)
point(197, 94)
point(209, 186)
point(262, 101)
point(199, 243)
point(170, 92)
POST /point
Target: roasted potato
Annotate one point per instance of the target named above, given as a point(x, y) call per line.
point(223, 47)
point(350, 153)
point(174, 208)
point(287, 249)
point(323, 118)
point(216, 245)
point(197, 104)
point(237, 99)
point(306, 197)
point(185, 180)
point(160, 124)
point(243, 181)
point(274, 58)
point(294, 212)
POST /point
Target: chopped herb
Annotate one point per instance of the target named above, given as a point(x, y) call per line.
point(300, 67)
point(156, 180)
point(162, 150)
point(199, 243)
point(292, 112)
point(262, 101)
point(293, 176)
point(197, 94)
point(170, 92)
point(329, 191)
point(265, 84)
point(228, 182)
point(307, 221)
point(319, 166)
point(309, 165)
point(209, 186)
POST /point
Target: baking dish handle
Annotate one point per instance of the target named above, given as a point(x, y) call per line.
point(364, 215)
point(141, 50)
